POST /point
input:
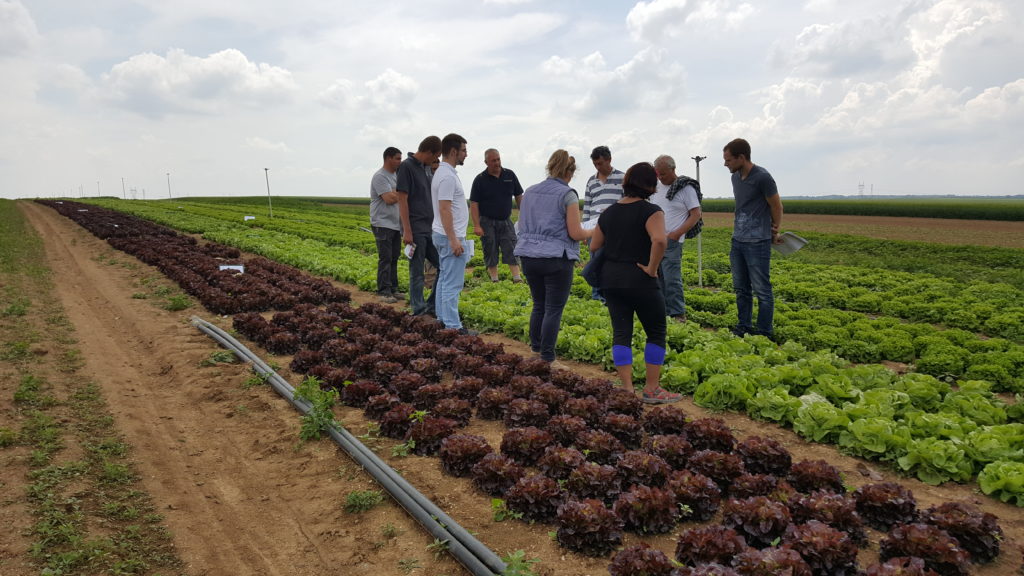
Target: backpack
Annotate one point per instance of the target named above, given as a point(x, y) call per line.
point(679, 184)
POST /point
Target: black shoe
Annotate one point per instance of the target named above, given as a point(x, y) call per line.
point(739, 332)
point(467, 332)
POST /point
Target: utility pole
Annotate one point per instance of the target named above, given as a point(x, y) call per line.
point(697, 159)
point(124, 193)
point(169, 185)
point(700, 239)
point(270, 206)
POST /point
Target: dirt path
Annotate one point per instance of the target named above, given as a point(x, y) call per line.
point(242, 496)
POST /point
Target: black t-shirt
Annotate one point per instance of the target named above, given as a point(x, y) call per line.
point(494, 195)
point(626, 243)
point(412, 180)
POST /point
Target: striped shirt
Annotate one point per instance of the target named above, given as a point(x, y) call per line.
point(601, 195)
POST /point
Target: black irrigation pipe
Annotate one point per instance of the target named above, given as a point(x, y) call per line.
point(469, 551)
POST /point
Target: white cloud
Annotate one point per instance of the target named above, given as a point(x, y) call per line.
point(659, 19)
point(648, 80)
point(18, 33)
point(998, 104)
point(154, 85)
point(257, 143)
point(390, 92)
point(873, 47)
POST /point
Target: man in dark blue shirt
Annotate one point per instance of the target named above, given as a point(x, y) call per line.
point(490, 204)
point(417, 213)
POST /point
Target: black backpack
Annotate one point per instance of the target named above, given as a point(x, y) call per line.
point(679, 184)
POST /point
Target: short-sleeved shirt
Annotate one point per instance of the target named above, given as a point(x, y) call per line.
point(383, 215)
point(412, 180)
point(677, 210)
point(626, 243)
point(446, 185)
point(753, 218)
point(600, 195)
point(494, 195)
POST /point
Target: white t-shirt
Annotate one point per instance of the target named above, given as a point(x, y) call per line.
point(678, 209)
point(447, 185)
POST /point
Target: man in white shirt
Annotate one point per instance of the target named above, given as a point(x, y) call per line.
point(677, 196)
point(451, 219)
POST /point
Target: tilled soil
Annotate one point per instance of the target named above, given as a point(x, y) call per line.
point(240, 492)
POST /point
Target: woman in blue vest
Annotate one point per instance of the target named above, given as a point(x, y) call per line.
point(632, 233)
point(548, 246)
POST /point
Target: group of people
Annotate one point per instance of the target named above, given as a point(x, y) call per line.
point(635, 223)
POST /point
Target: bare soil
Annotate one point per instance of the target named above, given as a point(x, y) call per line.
point(938, 230)
point(242, 495)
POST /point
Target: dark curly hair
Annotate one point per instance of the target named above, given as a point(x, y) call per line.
point(640, 181)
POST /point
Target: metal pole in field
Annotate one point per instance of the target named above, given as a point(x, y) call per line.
point(169, 185)
point(270, 206)
point(700, 243)
point(124, 193)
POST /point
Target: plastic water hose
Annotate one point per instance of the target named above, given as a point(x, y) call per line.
point(469, 551)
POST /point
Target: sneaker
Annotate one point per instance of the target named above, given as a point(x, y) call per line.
point(681, 318)
point(556, 365)
point(494, 280)
point(467, 332)
point(517, 280)
point(388, 298)
point(661, 396)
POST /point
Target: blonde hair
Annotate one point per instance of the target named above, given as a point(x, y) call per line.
point(561, 165)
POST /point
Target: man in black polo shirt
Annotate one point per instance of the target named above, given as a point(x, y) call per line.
point(490, 203)
point(417, 213)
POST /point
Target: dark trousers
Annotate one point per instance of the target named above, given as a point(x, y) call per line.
point(649, 306)
point(425, 252)
point(389, 248)
point(550, 280)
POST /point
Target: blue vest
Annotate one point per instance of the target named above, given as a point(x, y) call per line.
point(542, 229)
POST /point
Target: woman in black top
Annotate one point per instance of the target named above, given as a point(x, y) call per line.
point(632, 233)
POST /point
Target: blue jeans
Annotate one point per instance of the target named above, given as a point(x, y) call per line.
point(550, 280)
point(451, 277)
point(670, 275)
point(424, 251)
point(751, 264)
point(595, 291)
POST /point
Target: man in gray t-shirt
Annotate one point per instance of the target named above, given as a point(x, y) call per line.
point(386, 223)
point(758, 215)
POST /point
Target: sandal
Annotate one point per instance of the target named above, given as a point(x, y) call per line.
point(662, 396)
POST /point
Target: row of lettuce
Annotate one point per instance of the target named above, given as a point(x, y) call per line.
point(918, 423)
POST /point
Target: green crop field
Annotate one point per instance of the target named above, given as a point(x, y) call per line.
point(849, 309)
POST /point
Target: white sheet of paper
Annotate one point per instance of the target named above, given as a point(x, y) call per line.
point(790, 243)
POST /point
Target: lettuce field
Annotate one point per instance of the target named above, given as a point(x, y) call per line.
point(882, 432)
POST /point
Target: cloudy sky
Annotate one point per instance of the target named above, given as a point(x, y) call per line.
point(902, 96)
